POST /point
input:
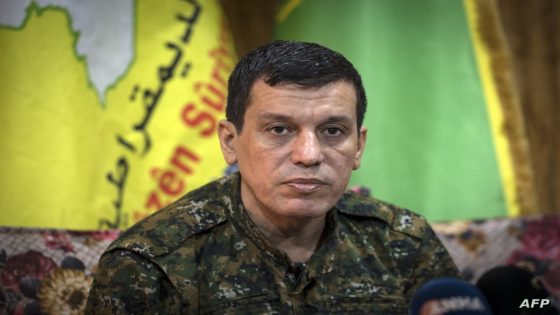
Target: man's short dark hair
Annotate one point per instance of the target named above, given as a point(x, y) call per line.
point(300, 63)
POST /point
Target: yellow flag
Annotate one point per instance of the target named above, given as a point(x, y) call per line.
point(109, 108)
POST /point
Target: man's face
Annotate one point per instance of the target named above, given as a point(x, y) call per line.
point(297, 148)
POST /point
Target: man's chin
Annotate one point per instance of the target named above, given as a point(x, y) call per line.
point(304, 208)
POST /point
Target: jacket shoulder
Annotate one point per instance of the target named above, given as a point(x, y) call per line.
point(399, 219)
point(165, 230)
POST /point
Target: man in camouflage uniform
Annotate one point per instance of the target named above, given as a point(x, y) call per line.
point(281, 236)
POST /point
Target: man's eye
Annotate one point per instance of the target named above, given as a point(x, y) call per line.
point(280, 130)
point(334, 131)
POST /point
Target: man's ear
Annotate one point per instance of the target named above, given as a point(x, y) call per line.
point(227, 133)
point(361, 146)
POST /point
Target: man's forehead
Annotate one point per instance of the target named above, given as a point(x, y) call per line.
point(341, 93)
point(291, 103)
point(286, 85)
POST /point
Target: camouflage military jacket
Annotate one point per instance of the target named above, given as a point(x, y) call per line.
point(203, 255)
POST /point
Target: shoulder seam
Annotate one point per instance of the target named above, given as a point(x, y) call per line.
point(399, 219)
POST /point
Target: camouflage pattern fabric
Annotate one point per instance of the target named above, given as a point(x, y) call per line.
point(203, 255)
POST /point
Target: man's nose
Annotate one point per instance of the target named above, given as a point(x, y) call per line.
point(307, 150)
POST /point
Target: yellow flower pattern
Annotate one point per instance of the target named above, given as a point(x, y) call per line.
point(64, 291)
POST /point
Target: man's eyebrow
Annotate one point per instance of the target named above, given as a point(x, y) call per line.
point(273, 116)
point(287, 118)
point(339, 119)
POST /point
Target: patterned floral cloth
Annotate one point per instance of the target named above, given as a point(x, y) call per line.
point(531, 242)
point(49, 271)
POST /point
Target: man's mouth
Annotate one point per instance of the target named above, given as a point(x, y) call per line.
point(305, 185)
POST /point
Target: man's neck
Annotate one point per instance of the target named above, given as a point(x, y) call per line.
point(297, 237)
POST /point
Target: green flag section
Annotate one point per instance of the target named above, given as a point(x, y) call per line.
point(430, 146)
point(109, 109)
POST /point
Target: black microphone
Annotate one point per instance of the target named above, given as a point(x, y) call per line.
point(448, 296)
point(512, 290)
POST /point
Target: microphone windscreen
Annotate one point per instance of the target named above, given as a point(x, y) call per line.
point(512, 290)
point(448, 296)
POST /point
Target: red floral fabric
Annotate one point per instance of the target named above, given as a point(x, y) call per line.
point(531, 242)
point(31, 265)
point(540, 247)
point(48, 271)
